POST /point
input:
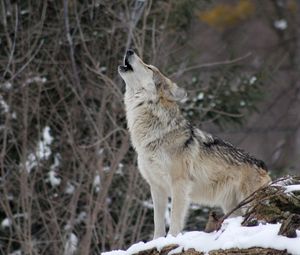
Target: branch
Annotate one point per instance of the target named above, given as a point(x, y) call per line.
point(69, 38)
point(225, 62)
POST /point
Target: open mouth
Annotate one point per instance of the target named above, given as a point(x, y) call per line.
point(126, 66)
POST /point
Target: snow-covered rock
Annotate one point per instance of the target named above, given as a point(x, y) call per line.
point(231, 235)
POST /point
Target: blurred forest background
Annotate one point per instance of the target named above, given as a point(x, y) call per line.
point(69, 182)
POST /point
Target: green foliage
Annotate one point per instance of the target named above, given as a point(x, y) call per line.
point(228, 96)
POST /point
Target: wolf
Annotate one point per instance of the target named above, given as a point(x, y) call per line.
point(177, 159)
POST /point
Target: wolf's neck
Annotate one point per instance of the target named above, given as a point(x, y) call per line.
point(152, 120)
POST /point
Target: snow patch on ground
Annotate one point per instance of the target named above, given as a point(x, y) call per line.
point(231, 235)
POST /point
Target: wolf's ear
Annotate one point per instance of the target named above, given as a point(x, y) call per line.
point(175, 93)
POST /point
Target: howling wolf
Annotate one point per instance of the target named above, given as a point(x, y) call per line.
point(177, 159)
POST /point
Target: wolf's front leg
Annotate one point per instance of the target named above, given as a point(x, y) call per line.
point(160, 200)
point(180, 204)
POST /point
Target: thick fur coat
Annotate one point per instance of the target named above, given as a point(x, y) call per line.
point(177, 159)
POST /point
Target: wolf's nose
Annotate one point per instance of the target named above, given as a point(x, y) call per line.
point(129, 52)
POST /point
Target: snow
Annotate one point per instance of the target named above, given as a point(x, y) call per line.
point(148, 204)
point(53, 179)
point(47, 138)
point(242, 103)
point(10, 197)
point(97, 183)
point(70, 188)
point(6, 223)
point(120, 169)
point(31, 162)
point(291, 188)
point(23, 12)
point(100, 151)
point(231, 235)
point(283, 182)
point(52, 174)
point(102, 69)
point(71, 244)
point(4, 105)
point(6, 85)
point(252, 80)
point(280, 24)
point(42, 152)
point(56, 163)
point(97, 180)
point(106, 168)
point(36, 79)
point(200, 96)
point(17, 252)
point(81, 217)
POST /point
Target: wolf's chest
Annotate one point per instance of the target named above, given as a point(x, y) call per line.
point(155, 167)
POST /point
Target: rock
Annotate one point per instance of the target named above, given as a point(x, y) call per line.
point(272, 204)
point(234, 251)
point(164, 251)
point(289, 226)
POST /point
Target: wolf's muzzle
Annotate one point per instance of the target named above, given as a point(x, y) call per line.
point(127, 66)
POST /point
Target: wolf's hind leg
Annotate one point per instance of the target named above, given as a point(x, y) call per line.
point(160, 200)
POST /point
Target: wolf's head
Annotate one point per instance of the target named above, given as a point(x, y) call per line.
point(147, 79)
